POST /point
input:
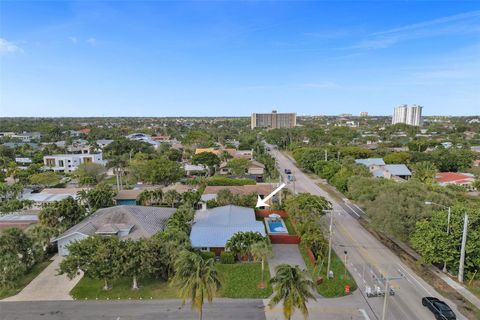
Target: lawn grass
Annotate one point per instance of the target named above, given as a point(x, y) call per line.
point(25, 280)
point(330, 288)
point(290, 228)
point(89, 288)
point(238, 281)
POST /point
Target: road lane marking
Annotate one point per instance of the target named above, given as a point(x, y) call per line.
point(364, 313)
point(421, 285)
point(353, 210)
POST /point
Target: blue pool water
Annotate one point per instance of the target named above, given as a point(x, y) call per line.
point(275, 224)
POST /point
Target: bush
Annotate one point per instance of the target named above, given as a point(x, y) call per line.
point(227, 258)
point(207, 255)
point(224, 181)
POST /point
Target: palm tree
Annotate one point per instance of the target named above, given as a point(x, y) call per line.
point(292, 286)
point(261, 250)
point(195, 279)
point(424, 171)
point(171, 197)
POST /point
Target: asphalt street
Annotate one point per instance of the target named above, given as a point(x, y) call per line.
point(128, 310)
point(368, 260)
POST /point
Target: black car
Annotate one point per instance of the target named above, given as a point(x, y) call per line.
point(440, 309)
point(288, 171)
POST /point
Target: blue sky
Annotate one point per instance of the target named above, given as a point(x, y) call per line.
point(118, 58)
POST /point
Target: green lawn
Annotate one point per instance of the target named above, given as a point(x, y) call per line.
point(288, 224)
point(238, 281)
point(26, 279)
point(333, 287)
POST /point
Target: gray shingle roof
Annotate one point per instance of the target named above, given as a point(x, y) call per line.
point(398, 169)
point(146, 221)
point(371, 161)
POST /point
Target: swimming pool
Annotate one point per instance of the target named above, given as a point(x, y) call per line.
point(275, 226)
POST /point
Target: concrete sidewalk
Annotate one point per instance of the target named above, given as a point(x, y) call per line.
point(457, 287)
point(48, 286)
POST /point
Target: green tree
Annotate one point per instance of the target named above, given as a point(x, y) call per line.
point(137, 259)
point(424, 172)
point(172, 197)
point(206, 158)
point(62, 214)
point(45, 179)
point(196, 279)
point(292, 286)
point(238, 166)
point(156, 171)
point(262, 250)
point(402, 157)
point(182, 219)
point(241, 243)
point(90, 173)
point(431, 241)
point(150, 197)
point(98, 257)
point(99, 197)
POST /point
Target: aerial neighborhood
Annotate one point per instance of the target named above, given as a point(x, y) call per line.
point(110, 209)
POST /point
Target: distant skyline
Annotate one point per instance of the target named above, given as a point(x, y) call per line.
point(152, 58)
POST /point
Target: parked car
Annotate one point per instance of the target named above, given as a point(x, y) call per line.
point(440, 309)
point(288, 171)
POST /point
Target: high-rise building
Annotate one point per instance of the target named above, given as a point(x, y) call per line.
point(364, 114)
point(273, 120)
point(408, 114)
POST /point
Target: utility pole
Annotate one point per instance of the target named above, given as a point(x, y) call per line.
point(330, 236)
point(387, 293)
point(462, 253)
point(448, 233)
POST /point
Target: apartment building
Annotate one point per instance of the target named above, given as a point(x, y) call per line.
point(408, 114)
point(273, 120)
point(70, 162)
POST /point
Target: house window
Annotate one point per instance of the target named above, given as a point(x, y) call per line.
point(60, 163)
point(204, 249)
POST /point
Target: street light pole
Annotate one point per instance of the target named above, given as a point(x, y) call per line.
point(462, 252)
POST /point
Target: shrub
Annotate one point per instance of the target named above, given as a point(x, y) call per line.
point(224, 181)
point(207, 255)
point(227, 258)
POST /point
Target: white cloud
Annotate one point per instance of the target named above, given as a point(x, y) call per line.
point(8, 47)
point(92, 41)
point(74, 40)
point(465, 23)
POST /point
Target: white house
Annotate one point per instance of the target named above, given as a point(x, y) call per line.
point(70, 162)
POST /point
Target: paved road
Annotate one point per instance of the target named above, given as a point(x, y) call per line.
point(48, 285)
point(368, 259)
point(123, 310)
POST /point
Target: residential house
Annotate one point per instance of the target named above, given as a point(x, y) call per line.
point(15, 220)
point(125, 222)
point(455, 178)
point(70, 162)
point(379, 169)
point(246, 154)
point(49, 195)
point(127, 197)
point(191, 169)
point(27, 136)
point(145, 138)
point(102, 143)
point(212, 228)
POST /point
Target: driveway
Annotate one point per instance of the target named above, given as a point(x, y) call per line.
point(47, 285)
point(285, 253)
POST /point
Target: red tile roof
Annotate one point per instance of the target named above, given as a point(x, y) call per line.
point(453, 177)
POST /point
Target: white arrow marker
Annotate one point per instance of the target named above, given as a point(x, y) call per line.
point(262, 202)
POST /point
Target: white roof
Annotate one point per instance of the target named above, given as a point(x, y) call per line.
point(214, 227)
point(192, 167)
point(19, 217)
point(371, 161)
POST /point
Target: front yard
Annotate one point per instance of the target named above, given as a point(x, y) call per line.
point(25, 280)
point(239, 280)
point(332, 287)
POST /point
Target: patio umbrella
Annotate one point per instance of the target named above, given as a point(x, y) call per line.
point(274, 215)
